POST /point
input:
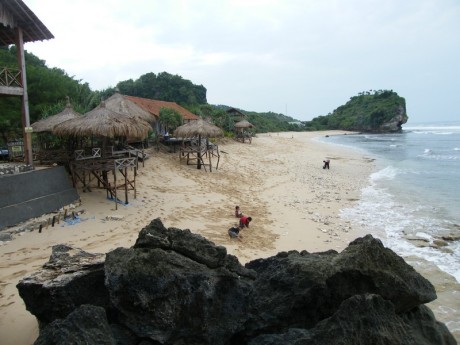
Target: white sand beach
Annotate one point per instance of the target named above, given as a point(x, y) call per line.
point(278, 180)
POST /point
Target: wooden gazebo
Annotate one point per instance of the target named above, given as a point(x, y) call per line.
point(19, 25)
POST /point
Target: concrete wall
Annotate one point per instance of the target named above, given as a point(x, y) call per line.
point(34, 193)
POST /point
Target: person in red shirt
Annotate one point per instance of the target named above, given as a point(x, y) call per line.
point(244, 221)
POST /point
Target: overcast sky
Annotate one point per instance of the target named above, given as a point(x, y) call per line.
point(302, 58)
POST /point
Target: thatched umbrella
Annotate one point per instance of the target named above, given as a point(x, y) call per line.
point(47, 124)
point(241, 125)
point(119, 104)
point(198, 128)
point(244, 124)
point(104, 122)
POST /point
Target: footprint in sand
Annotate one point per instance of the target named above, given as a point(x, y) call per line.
point(16, 275)
point(6, 304)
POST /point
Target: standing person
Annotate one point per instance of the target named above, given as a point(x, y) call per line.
point(326, 164)
point(238, 213)
point(244, 221)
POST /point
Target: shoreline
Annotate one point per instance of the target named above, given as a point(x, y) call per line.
point(278, 180)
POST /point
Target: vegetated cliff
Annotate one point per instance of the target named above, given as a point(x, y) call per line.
point(375, 111)
point(174, 287)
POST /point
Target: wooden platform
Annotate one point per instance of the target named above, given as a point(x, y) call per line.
point(195, 154)
point(97, 172)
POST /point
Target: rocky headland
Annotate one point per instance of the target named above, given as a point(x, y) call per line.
point(175, 287)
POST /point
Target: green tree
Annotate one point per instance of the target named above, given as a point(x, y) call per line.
point(164, 87)
point(47, 91)
point(170, 118)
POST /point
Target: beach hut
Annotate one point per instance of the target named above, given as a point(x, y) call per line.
point(200, 130)
point(104, 122)
point(47, 124)
point(120, 104)
point(49, 150)
point(240, 130)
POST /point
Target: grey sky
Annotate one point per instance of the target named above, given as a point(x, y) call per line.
point(300, 57)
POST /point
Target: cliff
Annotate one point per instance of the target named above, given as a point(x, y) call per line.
point(174, 287)
point(380, 111)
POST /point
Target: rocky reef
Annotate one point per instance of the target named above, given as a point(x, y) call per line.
point(175, 287)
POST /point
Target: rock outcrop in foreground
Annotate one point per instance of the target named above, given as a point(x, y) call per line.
point(174, 287)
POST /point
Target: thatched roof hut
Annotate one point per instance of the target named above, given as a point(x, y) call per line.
point(104, 122)
point(120, 104)
point(47, 124)
point(198, 128)
point(244, 124)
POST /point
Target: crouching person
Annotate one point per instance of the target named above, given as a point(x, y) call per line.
point(234, 232)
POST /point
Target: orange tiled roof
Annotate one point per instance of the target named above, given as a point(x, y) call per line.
point(154, 106)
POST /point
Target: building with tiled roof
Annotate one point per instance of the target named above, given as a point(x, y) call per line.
point(154, 107)
point(146, 109)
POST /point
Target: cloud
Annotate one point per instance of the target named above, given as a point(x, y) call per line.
point(264, 55)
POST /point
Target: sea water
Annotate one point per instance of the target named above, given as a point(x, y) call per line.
point(414, 193)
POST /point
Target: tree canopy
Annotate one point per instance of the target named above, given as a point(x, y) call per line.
point(47, 91)
point(164, 87)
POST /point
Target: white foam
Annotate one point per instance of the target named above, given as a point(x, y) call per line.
point(432, 128)
point(379, 214)
point(424, 235)
point(388, 173)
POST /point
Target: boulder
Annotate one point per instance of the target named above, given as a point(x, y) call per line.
point(300, 289)
point(70, 278)
point(365, 319)
point(175, 287)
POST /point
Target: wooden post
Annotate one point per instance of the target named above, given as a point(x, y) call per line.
point(198, 163)
point(126, 185)
point(135, 192)
point(115, 185)
point(24, 98)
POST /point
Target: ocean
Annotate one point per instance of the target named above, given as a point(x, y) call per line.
point(412, 202)
point(413, 198)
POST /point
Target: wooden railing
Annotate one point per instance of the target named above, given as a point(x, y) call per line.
point(10, 77)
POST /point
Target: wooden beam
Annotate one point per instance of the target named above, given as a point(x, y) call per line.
point(11, 91)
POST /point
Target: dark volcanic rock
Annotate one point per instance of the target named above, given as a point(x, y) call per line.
point(300, 289)
point(86, 325)
point(189, 294)
point(69, 279)
point(364, 319)
point(174, 287)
